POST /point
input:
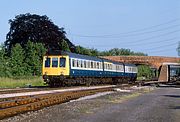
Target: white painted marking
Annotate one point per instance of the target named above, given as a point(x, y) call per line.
point(92, 96)
point(122, 90)
point(51, 91)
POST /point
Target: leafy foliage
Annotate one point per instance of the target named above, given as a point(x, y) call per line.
point(30, 37)
point(33, 57)
point(22, 62)
point(64, 46)
point(38, 29)
point(112, 52)
point(4, 63)
point(144, 71)
point(17, 61)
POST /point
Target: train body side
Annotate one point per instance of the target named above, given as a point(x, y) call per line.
point(72, 66)
point(131, 71)
point(85, 66)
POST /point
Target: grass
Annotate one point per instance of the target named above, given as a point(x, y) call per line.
point(20, 83)
point(121, 99)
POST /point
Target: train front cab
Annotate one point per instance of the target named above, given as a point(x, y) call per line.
point(55, 67)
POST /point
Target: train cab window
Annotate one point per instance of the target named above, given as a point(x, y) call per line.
point(62, 62)
point(54, 62)
point(47, 62)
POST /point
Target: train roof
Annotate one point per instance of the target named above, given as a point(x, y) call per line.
point(127, 64)
point(74, 55)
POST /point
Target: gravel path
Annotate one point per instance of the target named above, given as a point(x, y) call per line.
point(160, 105)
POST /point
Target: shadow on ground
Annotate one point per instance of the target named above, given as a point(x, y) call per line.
point(174, 107)
point(174, 96)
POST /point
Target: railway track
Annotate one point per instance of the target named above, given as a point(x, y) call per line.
point(15, 105)
point(21, 90)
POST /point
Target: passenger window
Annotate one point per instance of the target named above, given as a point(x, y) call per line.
point(91, 64)
point(54, 62)
point(108, 66)
point(77, 63)
point(62, 62)
point(100, 65)
point(105, 66)
point(47, 62)
point(81, 64)
point(84, 64)
point(73, 62)
point(97, 65)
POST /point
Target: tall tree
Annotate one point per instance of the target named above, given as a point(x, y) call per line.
point(36, 28)
point(144, 71)
point(64, 46)
point(4, 63)
point(33, 58)
point(17, 61)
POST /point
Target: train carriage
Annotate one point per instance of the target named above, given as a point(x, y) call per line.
point(61, 68)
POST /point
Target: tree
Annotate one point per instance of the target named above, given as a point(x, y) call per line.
point(34, 53)
point(64, 46)
point(144, 71)
point(4, 63)
point(17, 61)
point(94, 52)
point(82, 50)
point(38, 29)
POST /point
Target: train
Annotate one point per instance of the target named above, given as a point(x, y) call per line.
point(61, 68)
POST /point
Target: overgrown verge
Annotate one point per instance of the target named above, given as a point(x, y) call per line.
point(21, 82)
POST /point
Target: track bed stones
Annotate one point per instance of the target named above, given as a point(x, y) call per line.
point(77, 109)
point(19, 104)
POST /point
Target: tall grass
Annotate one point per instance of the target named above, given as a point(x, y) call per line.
point(21, 82)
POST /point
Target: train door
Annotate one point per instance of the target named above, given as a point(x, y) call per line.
point(64, 65)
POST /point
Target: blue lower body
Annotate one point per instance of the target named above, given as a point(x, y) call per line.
point(93, 73)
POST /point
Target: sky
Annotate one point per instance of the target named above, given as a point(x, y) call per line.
point(148, 26)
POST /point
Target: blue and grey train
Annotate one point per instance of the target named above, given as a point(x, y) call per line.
point(65, 68)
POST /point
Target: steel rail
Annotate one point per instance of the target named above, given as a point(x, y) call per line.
point(16, 105)
point(31, 103)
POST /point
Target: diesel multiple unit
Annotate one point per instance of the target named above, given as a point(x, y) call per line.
point(64, 68)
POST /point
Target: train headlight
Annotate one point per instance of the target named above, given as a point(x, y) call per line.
point(62, 73)
point(45, 73)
